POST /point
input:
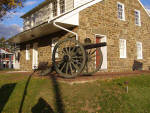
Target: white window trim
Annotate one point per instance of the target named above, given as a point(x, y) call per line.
point(35, 56)
point(125, 49)
point(141, 52)
point(104, 51)
point(53, 45)
point(28, 52)
point(123, 11)
point(139, 17)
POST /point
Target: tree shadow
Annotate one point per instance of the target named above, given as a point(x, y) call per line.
point(47, 71)
point(5, 92)
point(56, 88)
point(42, 107)
point(25, 92)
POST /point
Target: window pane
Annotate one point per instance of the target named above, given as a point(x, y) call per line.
point(120, 11)
point(137, 17)
point(62, 6)
point(54, 6)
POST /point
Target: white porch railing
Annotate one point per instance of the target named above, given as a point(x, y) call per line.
point(47, 12)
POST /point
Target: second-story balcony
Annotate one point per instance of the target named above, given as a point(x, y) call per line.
point(49, 10)
point(46, 11)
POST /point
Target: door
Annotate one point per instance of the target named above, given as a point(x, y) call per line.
point(35, 56)
point(99, 39)
point(98, 58)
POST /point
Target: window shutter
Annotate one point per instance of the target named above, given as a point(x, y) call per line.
point(27, 52)
point(122, 48)
point(54, 42)
point(139, 50)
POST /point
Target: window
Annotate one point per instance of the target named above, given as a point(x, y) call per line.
point(54, 8)
point(139, 50)
point(35, 56)
point(137, 18)
point(28, 52)
point(54, 42)
point(123, 48)
point(121, 12)
point(33, 20)
point(62, 6)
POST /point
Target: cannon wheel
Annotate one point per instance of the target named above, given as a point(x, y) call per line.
point(69, 58)
point(91, 67)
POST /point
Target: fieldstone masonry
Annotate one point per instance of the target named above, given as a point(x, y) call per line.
point(101, 18)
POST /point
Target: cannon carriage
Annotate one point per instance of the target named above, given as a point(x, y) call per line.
point(71, 58)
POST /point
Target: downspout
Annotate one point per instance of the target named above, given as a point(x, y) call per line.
point(56, 25)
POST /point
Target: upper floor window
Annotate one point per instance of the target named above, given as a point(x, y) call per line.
point(121, 11)
point(123, 48)
point(137, 18)
point(139, 50)
point(54, 8)
point(62, 6)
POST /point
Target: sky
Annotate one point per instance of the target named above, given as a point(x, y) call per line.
point(13, 24)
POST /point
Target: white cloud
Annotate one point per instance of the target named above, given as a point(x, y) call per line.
point(13, 14)
point(9, 31)
point(30, 3)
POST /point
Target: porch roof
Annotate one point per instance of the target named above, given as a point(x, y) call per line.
point(37, 32)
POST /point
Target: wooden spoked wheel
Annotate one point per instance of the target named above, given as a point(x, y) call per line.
point(94, 60)
point(68, 58)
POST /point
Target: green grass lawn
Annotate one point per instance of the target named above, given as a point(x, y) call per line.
point(30, 94)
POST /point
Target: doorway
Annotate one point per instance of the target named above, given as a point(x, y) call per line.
point(99, 39)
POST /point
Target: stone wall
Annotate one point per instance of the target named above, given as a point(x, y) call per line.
point(101, 18)
point(44, 50)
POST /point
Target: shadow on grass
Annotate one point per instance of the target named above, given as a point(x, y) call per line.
point(57, 93)
point(25, 92)
point(42, 107)
point(56, 88)
point(5, 92)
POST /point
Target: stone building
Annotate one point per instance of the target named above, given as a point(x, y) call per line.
point(123, 24)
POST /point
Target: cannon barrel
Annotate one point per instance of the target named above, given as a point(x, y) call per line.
point(97, 45)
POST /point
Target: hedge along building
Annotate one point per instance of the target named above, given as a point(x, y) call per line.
point(123, 24)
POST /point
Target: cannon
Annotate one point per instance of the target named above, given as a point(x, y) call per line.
point(71, 58)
